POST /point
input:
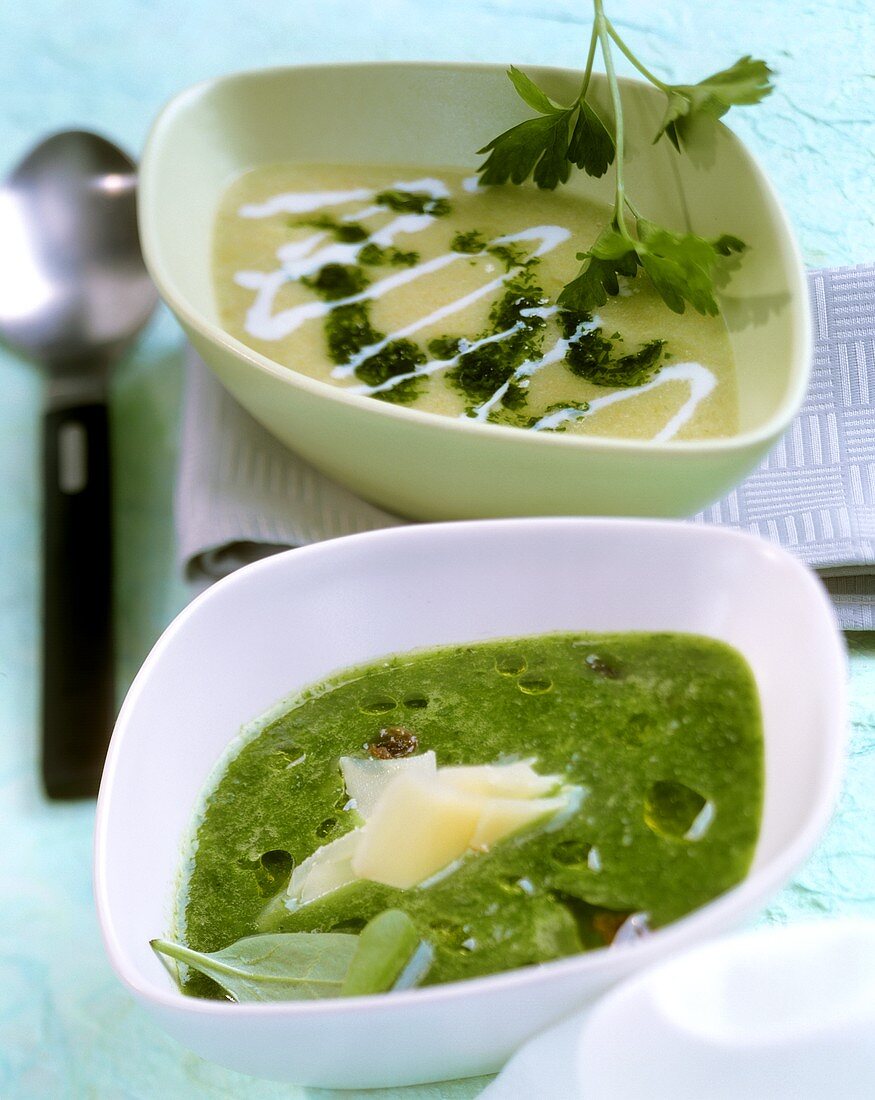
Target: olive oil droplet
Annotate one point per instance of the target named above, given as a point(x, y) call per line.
point(534, 683)
point(511, 664)
point(676, 811)
point(378, 704)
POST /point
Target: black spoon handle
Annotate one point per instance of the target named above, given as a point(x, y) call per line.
point(78, 706)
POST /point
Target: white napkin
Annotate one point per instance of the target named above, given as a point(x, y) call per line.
point(241, 494)
point(784, 1013)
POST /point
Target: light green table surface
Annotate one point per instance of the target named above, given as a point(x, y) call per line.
point(67, 1029)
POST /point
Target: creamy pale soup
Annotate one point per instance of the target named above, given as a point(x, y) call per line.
point(420, 288)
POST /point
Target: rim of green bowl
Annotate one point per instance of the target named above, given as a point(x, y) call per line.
point(754, 438)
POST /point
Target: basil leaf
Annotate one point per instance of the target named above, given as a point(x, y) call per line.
point(283, 966)
point(387, 946)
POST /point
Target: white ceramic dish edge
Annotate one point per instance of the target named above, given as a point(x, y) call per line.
point(192, 1020)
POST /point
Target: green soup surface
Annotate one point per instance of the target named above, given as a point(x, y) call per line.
point(662, 731)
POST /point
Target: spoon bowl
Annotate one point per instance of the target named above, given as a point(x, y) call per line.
point(72, 282)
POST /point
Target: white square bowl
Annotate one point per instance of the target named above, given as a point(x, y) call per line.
point(283, 623)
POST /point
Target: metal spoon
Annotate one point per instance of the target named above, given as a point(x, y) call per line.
point(73, 294)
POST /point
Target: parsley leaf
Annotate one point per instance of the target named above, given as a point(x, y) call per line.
point(546, 147)
point(726, 244)
point(537, 145)
point(554, 167)
point(679, 266)
point(530, 93)
point(745, 82)
point(683, 267)
point(610, 256)
point(591, 147)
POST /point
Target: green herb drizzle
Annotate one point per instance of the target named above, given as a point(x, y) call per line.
point(480, 372)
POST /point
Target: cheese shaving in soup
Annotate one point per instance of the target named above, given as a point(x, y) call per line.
point(419, 819)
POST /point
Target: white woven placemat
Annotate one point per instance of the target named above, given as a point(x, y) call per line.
point(241, 494)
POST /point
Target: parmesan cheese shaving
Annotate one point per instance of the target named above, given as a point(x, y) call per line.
point(421, 820)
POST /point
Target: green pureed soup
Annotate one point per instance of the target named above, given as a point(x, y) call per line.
point(655, 745)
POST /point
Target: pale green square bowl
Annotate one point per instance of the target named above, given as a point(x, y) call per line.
point(432, 467)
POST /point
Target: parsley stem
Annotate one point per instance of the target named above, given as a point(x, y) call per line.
point(635, 213)
point(601, 25)
point(593, 40)
point(624, 49)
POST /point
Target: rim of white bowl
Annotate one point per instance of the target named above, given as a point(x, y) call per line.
point(770, 429)
point(738, 901)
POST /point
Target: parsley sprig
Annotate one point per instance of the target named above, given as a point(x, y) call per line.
point(683, 267)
